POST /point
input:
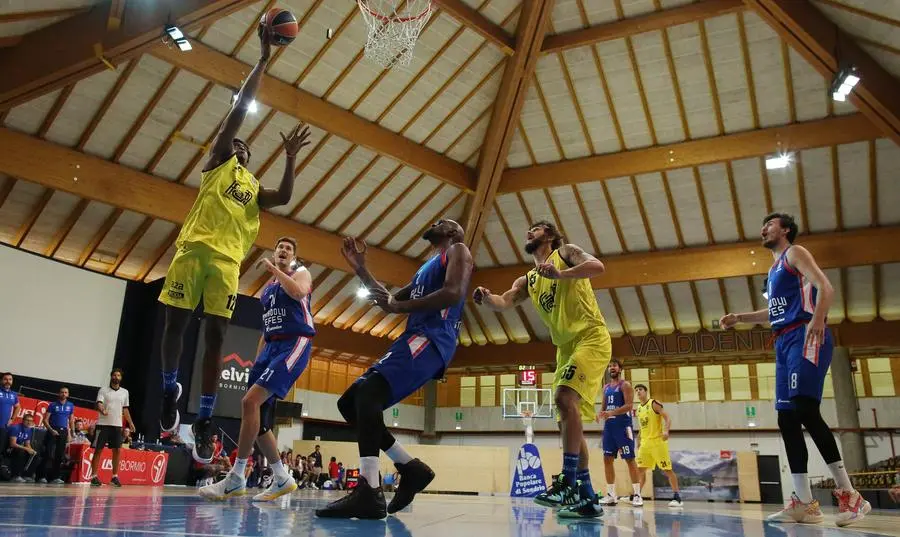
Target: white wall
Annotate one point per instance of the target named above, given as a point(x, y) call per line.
point(323, 406)
point(59, 322)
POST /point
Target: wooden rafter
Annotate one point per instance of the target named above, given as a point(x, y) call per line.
point(130, 244)
point(478, 23)
point(322, 300)
point(63, 53)
point(20, 16)
point(507, 107)
point(157, 254)
point(827, 49)
point(98, 237)
point(60, 236)
point(36, 211)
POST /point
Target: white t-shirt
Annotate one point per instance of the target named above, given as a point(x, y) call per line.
point(114, 401)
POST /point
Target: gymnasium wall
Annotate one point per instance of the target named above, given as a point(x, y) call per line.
point(60, 323)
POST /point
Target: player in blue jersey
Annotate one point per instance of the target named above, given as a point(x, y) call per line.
point(434, 301)
point(283, 354)
point(618, 434)
point(60, 423)
point(799, 296)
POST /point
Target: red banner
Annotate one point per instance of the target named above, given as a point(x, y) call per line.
point(38, 407)
point(135, 467)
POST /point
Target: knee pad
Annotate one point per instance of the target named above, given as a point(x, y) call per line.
point(266, 416)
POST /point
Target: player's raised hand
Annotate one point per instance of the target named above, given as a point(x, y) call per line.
point(479, 295)
point(728, 320)
point(296, 139)
point(265, 42)
point(384, 299)
point(354, 251)
point(269, 265)
point(549, 270)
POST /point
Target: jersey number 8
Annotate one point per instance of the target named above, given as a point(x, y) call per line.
point(793, 381)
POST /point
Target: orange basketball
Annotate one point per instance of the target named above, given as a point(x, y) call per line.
point(282, 25)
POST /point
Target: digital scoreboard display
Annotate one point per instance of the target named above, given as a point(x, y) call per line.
point(527, 377)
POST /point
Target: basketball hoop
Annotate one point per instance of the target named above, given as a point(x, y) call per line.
point(394, 27)
point(528, 422)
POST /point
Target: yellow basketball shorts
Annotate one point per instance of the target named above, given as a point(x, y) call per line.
point(581, 364)
point(654, 454)
point(197, 270)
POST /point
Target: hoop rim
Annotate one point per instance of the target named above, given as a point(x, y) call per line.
point(526, 414)
point(364, 5)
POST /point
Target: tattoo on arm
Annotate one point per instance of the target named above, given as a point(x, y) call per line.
point(574, 255)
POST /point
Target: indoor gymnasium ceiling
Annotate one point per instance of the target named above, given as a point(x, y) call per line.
point(614, 85)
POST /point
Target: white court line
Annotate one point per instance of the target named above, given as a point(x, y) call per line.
point(114, 530)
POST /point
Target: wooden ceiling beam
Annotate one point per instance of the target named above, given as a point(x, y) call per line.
point(54, 167)
point(66, 52)
point(859, 247)
point(479, 24)
point(508, 104)
point(827, 48)
point(221, 69)
point(657, 20)
point(748, 144)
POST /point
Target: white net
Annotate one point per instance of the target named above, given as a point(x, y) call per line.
point(394, 27)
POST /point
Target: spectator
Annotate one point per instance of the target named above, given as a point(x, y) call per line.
point(24, 457)
point(9, 403)
point(79, 435)
point(60, 424)
point(171, 439)
point(333, 469)
point(340, 478)
point(218, 447)
point(315, 463)
point(112, 402)
point(390, 482)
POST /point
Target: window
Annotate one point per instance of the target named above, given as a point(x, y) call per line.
point(858, 380)
point(828, 387)
point(765, 381)
point(687, 384)
point(880, 377)
point(635, 377)
point(506, 382)
point(739, 375)
point(488, 385)
point(714, 383)
point(547, 380)
point(467, 391)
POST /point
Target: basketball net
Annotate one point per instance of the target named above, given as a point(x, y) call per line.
point(528, 422)
point(394, 27)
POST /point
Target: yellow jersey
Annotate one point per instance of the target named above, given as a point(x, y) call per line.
point(651, 422)
point(225, 215)
point(567, 307)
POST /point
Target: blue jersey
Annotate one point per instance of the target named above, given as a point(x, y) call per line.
point(284, 316)
point(792, 299)
point(21, 433)
point(615, 398)
point(441, 327)
point(8, 400)
point(59, 414)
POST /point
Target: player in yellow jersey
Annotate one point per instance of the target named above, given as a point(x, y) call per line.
point(217, 233)
point(560, 289)
point(653, 440)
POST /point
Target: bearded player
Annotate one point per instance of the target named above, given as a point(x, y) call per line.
point(799, 296)
point(618, 434)
point(283, 354)
point(560, 290)
point(434, 301)
point(217, 233)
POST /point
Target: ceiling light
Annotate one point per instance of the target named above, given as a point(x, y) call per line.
point(253, 108)
point(183, 45)
point(174, 32)
point(778, 162)
point(362, 292)
point(843, 83)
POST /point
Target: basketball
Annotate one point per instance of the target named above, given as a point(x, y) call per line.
point(282, 26)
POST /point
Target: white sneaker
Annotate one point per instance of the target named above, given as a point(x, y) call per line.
point(233, 485)
point(637, 501)
point(851, 507)
point(607, 500)
point(277, 489)
point(797, 511)
point(58, 481)
point(42, 481)
point(675, 503)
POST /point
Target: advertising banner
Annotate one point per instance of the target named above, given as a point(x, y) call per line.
point(528, 476)
point(702, 475)
point(38, 407)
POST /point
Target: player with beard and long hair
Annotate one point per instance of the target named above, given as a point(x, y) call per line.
point(560, 289)
point(434, 301)
point(799, 296)
point(618, 434)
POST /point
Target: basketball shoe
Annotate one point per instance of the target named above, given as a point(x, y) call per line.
point(169, 418)
point(851, 507)
point(414, 477)
point(277, 489)
point(797, 511)
point(582, 508)
point(559, 494)
point(203, 444)
point(364, 502)
point(233, 485)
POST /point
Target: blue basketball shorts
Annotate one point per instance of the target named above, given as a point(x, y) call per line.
point(408, 365)
point(280, 364)
point(618, 440)
point(800, 370)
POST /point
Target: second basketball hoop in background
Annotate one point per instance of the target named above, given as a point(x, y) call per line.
point(394, 27)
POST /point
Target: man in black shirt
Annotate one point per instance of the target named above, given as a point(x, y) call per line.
point(315, 459)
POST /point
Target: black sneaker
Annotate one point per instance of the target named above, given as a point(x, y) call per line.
point(363, 502)
point(414, 477)
point(583, 508)
point(95, 482)
point(169, 418)
point(115, 481)
point(558, 494)
point(203, 444)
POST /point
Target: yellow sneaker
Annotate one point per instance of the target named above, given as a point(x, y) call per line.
point(277, 489)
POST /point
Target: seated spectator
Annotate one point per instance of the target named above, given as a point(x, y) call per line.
point(24, 457)
point(391, 481)
point(79, 436)
point(218, 447)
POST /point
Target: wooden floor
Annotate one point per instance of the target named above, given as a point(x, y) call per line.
point(39, 510)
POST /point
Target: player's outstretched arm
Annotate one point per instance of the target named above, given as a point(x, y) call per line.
point(456, 281)
point(751, 317)
point(223, 146)
point(295, 140)
point(354, 251)
point(516, 294)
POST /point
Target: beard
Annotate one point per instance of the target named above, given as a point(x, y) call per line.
point(432, 235)
point(770, 244)
point(532, 246)
point(614, 375)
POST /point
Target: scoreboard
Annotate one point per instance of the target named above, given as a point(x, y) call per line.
point(527, 376)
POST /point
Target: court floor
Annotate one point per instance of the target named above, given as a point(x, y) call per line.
point(34, 510)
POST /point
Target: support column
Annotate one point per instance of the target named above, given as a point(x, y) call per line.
point(428, 434)
point(853, 445)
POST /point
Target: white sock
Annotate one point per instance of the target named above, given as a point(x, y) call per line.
point(278, 469)
point(368, 467)
point(636, 487)
point(240, 465)
point(611, 490)
point(398, 454)
point(801, 487)
point(841, 479)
